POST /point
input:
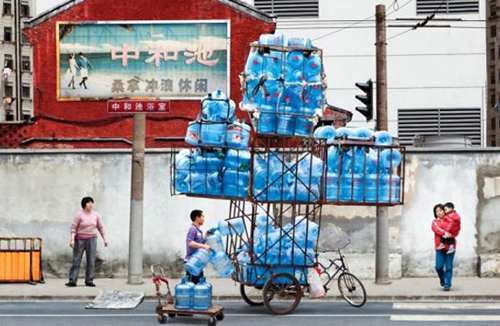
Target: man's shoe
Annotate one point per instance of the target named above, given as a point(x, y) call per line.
point(70, 284)
point(441, 282)
point(446, 289)
point(89, 284)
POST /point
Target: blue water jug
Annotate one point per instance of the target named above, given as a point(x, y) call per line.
point(313, 69)
point(300, 42)
point(363, 133)
point(271, 39)
point(215, 242)
point(222, 264)
point(274, 66)
point(232, 226)
point(352, 187)
point(390, 158)
point(303, 126)
point(235, 183)
point(286, 125)
point(293, 75)
point(180, 181)
point(213, 134)
point(313, 98)
point(344, 132)
point(272, 95)
point(217, 107)
point(198, 261)
point(293, 98)
point(332, 186)
point(372, 188)
point(243, 260)
point(295, 59)
point(302, 257)
point(264, 222)
point(193, 133)
point(237, 159)
point(383, 138)
point(207, 161)
point(252, 94)
point(255, 64)
point(238, 135)
point(360, 159)
point(202, 296)
point(184, 295)
point(389, 188)
point(326, 132)
point(267, 123)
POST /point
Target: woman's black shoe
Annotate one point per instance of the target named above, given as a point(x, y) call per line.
point(70, 284)
point(90, 284)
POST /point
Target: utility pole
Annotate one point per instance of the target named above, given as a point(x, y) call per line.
point(137, 201)
point(18, 103)
point(382, 234)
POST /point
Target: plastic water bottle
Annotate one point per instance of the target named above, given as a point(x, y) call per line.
point(389, 188)
point(198, 261)
point(271, 39)
point(293, 98)
point(235, 183)
point(332, 186)
point(383, 138)
point(295, 59)
point(363, 133)
point(193, 133)
point(238, 135)
point(274, 64)
point(372, 189)
point(214, 240)
point(286, 125)
point(255, 64)
point(267, 123)
point(202, 296)
point(313, 69)
point(293, 75)
point(213, 134)
point(313, 98)
point(344, 132)
point(252, 95)
point(272, 94)
point(325, 132)
point(333, 158)
point(237, 159)
point(352, 187)
point(390, 158)
point(264, 222)
point(218, 107)
point(299, 42)
point(303, 126)
point(184, 295)
point(359, 158)
point(232, 226)
point(243, 260)
point(222, 265)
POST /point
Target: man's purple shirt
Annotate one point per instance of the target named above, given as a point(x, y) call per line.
point(194, 234)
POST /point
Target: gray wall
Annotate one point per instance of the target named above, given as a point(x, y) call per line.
point(40, 193)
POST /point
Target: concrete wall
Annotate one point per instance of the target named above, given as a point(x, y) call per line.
point(40, 193)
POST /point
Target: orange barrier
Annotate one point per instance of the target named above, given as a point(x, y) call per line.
point(21, 260)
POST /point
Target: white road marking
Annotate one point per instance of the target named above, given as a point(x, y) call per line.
point(445, 318)
point(446, 306)
point(227, 315)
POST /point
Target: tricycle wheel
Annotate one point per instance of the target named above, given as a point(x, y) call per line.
point(351, 289)
point(162, 319)
point(212, 321)
point(171, 315)
point(252, 295)
point(220, 316)
point(286, 292)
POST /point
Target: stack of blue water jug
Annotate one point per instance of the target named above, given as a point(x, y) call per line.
point(277, 179)
point(361, 174)
point(214, 172)
point(189, 296)
point(216, 126)
point(283, 84)
point(292, 245)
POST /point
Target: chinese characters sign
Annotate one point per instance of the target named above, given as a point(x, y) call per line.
point(152, 60)
point(138, 106)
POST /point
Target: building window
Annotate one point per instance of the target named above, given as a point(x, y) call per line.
point(9, 90)
point(26, 91)
point(493, 143)
point(25, 10)
point(25, 63)
point(492, 54)
point(493, 123)
point(493, 10)
point(287, 8)
point(7, 8)
point(493, 100)
point(8, 61)
point(7, 34)
point(24, 39)
point(493, 31)
point(492, 78)
point(447, 6)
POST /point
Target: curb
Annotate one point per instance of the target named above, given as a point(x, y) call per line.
point(380, 298)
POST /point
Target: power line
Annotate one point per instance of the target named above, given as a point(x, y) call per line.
point(402, 55)
point(409, 88)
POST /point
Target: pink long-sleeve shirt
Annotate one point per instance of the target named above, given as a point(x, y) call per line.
point(86, 225)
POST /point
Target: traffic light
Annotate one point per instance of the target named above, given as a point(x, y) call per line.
point(366, 99)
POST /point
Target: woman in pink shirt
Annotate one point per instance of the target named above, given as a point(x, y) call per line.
point(84, 229)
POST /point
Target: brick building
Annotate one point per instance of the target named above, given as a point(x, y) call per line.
point(85, 123)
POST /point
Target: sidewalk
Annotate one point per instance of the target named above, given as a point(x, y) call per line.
point(407, 289)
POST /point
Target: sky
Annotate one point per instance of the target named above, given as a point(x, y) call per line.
point(42, 5)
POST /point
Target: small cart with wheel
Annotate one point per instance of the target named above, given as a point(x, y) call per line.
point(166, 306)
